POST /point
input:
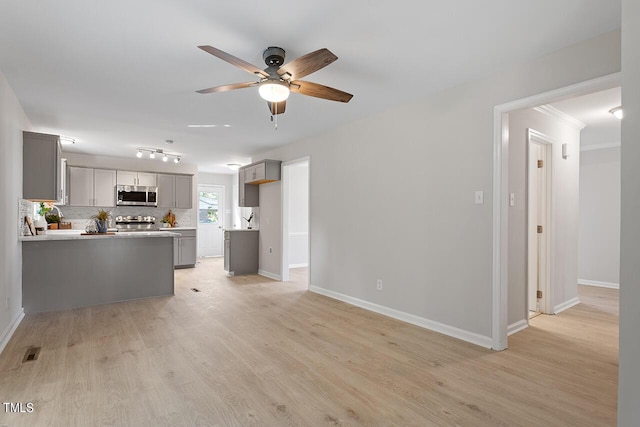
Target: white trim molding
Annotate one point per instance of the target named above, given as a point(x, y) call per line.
point(306, 264)
point(9, 330)
point(517, 326)
point(609, 285)
point(270, 275)
point(432, 325)
point(566, 305)
point(551, 111)
point(601, 146)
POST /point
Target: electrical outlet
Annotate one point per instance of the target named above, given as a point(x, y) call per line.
point(379, 284)
point(512, 199)
point(479, 197)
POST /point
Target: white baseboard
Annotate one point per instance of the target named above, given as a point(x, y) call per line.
point(517, 326)
point(599, 284)
point(432, 325)
point(9, 330)
point(298, 265)
point(565, 305)
point(270, 275)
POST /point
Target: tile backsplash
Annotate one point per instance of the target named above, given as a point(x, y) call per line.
point(25, 208)
point(79, 216)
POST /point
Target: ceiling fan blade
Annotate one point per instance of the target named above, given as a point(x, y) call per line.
point(225, 88)
point(307, 64)
point(250, 68)
point(277, 107)
point(319, 91)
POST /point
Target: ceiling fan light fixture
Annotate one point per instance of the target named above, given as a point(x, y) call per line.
point(273, 91)
point(617, 112)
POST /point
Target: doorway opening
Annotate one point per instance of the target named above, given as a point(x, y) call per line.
point(502, 199)
point(210, 220)
point(296, 236)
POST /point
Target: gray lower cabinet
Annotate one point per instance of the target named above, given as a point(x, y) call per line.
point(241, 251)
point(185, 249)
point(42, 174)
point(91, 187)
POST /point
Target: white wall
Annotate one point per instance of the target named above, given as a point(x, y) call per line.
point(565, 209)
point(599, 249)
point(141, 165)
point(427, 157)
point(228, 181)
point(12, 122)
point(298, 215)
point(629, 374)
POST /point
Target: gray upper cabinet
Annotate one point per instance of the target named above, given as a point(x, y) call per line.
point(250, 176)
point(137, 178)
point(175, 191)
point(42, 167)
point(262, 172)
point(91, 187)
point(183, 192)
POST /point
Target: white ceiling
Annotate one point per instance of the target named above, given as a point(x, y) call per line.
point(593, 111)
point(123, 74)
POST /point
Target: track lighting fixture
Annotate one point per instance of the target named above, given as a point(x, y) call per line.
point(153, 151)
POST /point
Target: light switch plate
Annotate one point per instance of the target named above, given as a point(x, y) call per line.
point(512, 199)
point(479, 197)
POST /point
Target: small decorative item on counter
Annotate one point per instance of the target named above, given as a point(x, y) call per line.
point(169, 220)
point(91, 227)
point(53, 221)
point(249, 220)
point(45, 208)
point(101, 220)
point(64, 226)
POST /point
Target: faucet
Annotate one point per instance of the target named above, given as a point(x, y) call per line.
point(59, 211)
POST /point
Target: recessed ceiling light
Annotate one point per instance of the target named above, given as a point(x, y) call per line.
point(202, 126)
point(67, 140)
point(234, 166)
point(227, 126)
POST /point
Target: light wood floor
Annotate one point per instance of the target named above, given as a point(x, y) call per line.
point(249, 351)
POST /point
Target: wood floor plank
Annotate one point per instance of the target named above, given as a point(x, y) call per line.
point(251, 351)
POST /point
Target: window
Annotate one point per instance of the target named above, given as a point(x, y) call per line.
point(207, 207)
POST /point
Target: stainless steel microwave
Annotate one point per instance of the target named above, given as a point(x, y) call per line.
point(135, 195)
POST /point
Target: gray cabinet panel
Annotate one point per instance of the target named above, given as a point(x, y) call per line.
point(137, 178)
point(241, 252)
point(80, 186)
point(183, 192)
point(250, 176)
point(185, 248)
point(147, 179)
point(166, 191)
point(104, 187)
point(127, 177)
point(41, 167)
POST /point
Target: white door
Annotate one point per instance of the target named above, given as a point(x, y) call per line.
point(538, 215)
point(210, 220)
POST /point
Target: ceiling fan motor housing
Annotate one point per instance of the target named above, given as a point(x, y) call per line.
point(273, 56)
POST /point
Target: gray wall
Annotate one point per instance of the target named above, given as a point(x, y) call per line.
point(629, 384)
point(599, 250)
point(270, 216)
point(12, 122)
point(565, 209)
point(427, 157)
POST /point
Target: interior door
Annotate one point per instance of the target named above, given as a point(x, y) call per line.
point(210, 220)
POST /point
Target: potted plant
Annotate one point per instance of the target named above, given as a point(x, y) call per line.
point(169, 219)
point(102, 220)
point(53, 220)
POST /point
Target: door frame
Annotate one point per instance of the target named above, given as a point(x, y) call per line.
point(500, 272)
point(221, 215)
point(285, 218)
point(538, 138)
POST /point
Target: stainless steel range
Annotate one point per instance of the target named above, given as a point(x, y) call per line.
point(136, 223)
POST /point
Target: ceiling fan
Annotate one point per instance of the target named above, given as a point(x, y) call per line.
point(277, 80)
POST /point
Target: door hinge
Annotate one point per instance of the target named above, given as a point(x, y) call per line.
point(538, 294)
point(539, 229)
point(540, 162)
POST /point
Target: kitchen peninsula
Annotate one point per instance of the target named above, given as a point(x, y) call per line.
point(68, 270)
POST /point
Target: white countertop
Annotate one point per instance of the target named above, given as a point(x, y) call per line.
point(75, 235)
point(176, 228)
point(241, 229)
